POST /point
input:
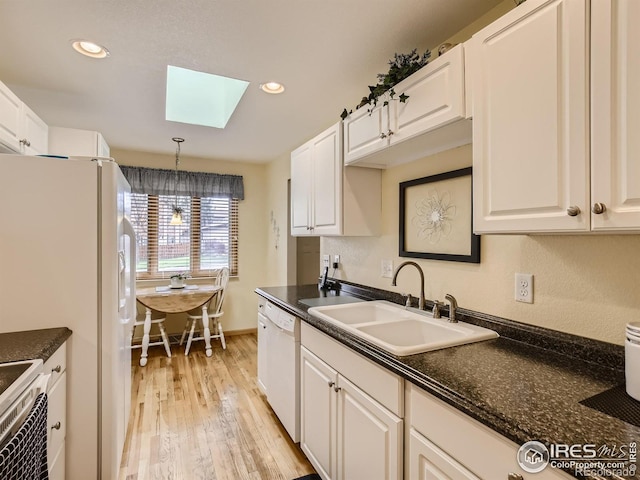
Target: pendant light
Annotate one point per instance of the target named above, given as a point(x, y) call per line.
point(176, 218)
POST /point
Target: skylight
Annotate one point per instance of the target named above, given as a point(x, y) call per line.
point(201, 98)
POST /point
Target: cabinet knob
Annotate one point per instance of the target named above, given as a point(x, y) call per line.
point(331, 384)
point(25, 142)
point(515, 476)
point(336, 389)
point(573, 211)
point(56, 426)
point(57, 369)
point(599, 208)
point(383, 135)
point(389, 133)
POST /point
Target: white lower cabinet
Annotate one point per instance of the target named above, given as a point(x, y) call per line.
point(262, 346)
point(428, 462)
point(346, 432)
point(56, 365)
point(445, 444)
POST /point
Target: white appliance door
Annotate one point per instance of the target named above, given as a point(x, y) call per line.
point(118, 313)
point(49, 238)
point(282, 371)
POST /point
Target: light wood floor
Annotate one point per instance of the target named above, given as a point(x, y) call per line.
point(204, 418)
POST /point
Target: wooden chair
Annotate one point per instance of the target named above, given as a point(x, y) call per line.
point(214, 312)
point(157, 318)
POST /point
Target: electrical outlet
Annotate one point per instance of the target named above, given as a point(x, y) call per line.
point(524, 287)
point(325, 260)
point(336, 259)
point(387, 269)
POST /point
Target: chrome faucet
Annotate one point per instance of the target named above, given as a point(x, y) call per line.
point(452, 308)
point(421, 302)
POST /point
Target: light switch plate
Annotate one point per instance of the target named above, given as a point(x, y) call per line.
point(325, 260)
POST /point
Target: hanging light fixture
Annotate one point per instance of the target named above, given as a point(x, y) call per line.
point(176, 218)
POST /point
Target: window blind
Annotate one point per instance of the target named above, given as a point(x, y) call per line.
point(206, 240)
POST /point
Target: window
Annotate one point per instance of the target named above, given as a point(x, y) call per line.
point(206, 240)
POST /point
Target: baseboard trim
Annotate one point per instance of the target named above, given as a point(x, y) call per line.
point(242, 331)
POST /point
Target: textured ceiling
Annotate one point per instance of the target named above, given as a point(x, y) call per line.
point(326, 52)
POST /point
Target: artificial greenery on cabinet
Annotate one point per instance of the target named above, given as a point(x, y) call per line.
point(401, 66)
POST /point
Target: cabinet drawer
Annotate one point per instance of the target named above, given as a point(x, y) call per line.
point(484, 452)
point(57, 416)
point(377, 382)
point(262, 305)
point(56, 364)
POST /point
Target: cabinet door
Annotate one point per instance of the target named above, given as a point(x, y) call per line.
point(300, 186)
point(327, 182)
point(369, 437)
point(35, 132)
point(530, 107)
point(10, 115)
point(436, 97)
point(102, 147)
point(318, 413)
point(615, 122)
point(365, 132)
point(263, 324)
point(428, 462)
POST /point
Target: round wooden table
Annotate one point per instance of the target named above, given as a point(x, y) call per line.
point(175, 300)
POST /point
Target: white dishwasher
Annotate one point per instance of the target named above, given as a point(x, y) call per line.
point(283, 367)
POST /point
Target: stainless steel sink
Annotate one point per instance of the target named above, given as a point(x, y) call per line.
point(398, 330)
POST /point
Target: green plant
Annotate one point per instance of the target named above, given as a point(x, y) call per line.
point(400, 67)
point(181, 276)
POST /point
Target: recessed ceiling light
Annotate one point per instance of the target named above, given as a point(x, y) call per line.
point(272, 87)
point(90, 49)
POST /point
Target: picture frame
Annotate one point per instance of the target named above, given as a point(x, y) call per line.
point(436, 218)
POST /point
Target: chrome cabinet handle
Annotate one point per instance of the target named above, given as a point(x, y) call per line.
point(56, 426)
point(573, 211)
point(514, 476)
point(57, 369)
point(599, 208)
point(25, 142)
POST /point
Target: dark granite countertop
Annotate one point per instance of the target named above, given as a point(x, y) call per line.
point(525, 385)
point(31, 344)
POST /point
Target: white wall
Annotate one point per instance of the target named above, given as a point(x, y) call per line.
point(584, 284)
point(253, 241)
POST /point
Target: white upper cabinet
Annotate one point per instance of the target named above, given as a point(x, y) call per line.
point(10, 106)
point(550, 146)
point(77, 143)
point(378, 138)
point(21, 130)
point(615, 118)
point(327, 199)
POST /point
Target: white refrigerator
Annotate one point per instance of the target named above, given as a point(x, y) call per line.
point(67, 259)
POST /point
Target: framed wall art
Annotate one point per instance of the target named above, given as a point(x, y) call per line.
point(436, 218)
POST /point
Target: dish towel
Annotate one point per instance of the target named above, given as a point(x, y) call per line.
point(24, 457)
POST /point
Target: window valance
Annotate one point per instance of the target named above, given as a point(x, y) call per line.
point(155, 181)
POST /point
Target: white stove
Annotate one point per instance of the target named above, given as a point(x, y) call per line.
point(20, 384)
